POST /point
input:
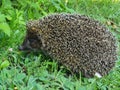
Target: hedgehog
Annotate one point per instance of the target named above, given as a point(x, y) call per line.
point(77, 42)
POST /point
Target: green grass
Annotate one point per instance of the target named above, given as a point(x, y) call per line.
point(21, 71)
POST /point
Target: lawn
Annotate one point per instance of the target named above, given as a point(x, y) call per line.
point(34, 71)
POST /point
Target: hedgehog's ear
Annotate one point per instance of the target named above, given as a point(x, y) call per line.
point(30, 26)
point(32, 30)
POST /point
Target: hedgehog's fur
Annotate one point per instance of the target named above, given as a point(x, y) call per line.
point(76, 41)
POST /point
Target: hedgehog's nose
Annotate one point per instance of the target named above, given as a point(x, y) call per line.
point(20, 48)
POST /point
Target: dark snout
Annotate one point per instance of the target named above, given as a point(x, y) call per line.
point(21, 48)
point(24, 48)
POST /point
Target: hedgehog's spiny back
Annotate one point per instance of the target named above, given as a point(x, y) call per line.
point(77, 42)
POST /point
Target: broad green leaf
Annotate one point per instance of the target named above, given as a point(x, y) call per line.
point(4, 64)
point(8, 17)
point(19, 77)
point(2, 18)
point(82, 88)
point(5, 28)
point(7, 4)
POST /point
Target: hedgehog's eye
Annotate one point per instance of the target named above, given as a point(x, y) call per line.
point(33, 43)
point(32, 40)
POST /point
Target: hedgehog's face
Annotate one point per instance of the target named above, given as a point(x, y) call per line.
point(31, 42)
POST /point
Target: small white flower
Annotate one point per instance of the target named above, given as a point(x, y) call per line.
point(10, 49)
point(66, 1)
point(98, 75)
